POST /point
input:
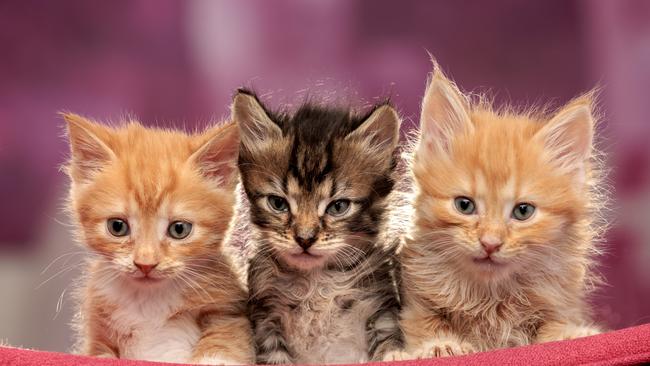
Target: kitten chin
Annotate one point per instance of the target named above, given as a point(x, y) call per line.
point(504, 235)
point(153, 207)
point(321, 273)
point(304, 261)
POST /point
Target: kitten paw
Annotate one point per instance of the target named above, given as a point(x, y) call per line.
point(399, 355)
point(566, 332)
point(216, 360)
point(444, 347)
point(275, 358)
point(582, 331)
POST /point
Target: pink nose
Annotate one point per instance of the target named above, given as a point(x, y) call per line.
point(145, 268)
point(490, 244)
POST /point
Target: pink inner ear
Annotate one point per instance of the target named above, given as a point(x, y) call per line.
point(218, 157)
point(381, 129)
point(568, 137)
point(427, 145)
point(86, 156)
point(434, 139)
point(444, 114)
point(218, 164)
point(88, 153)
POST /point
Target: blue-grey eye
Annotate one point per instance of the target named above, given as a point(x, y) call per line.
point(465, 205)
point(278, 204)
point(117, 227)
point(338, 207)
point(523, 211)
point(179, 229)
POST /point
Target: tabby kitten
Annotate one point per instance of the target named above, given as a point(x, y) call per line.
point(321, 273)
point(154, 208)
point(502, 245)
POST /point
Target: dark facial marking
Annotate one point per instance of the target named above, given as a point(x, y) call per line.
point(313, 132)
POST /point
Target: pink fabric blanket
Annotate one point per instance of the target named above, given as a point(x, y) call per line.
point(623, 347)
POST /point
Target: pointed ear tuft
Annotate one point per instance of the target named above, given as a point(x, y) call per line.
point(217, 157)
point(568, 136)
point(445, 113)
point(254, 123)
point(89, 147)
point(380, 129)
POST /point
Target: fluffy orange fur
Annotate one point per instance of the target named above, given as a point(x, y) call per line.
point(458, 297)
point(191, 306)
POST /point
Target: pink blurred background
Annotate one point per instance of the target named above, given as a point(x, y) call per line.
point(177, 63)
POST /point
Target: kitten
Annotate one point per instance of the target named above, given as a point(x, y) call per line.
point(154, 208)
point(321, 274)
point(502, 245)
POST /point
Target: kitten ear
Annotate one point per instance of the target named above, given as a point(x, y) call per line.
point(254, 123)
point(568, 136)
point(216, 158)
point(444, 113)
point(88, 146)
point(380, 129)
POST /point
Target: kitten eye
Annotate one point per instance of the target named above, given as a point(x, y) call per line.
point(278, 204)
point(465, 205)
point(338, 207)
point(179, 229)
point(523, 211)
point(117, 227)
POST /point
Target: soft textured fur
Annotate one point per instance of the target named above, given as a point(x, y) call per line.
point(336, 300)
point(191, 307)
point(534, 286)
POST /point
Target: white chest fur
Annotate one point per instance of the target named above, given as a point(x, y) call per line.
point(329, 326)
point(150, 325)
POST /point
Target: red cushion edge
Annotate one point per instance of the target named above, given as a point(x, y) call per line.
point(622, 347)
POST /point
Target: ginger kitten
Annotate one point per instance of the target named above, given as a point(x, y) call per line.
point(502, 245)
point(154, 208)
point(321, 274)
